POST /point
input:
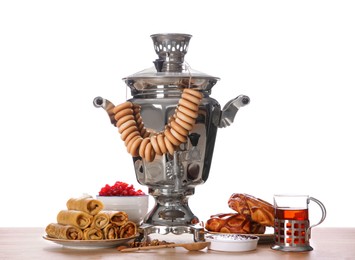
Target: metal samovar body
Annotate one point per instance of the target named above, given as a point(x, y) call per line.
point(172, 179)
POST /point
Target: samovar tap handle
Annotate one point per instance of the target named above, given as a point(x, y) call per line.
point(230, 110)
point(108, 106)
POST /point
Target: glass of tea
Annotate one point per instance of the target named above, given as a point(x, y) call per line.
point(292, 228)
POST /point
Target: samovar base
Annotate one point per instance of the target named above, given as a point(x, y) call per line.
point(171, 214)
point(196, 231)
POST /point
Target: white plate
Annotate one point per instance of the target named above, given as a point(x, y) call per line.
point(90, 244)
point(232, 242)
point(263, 238)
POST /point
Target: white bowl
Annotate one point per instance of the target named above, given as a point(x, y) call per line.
point(135, 206)
point(232, 242)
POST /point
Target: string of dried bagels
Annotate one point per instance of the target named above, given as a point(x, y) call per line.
point(145, 143)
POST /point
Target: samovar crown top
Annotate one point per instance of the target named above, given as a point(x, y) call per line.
point(171, 49)
point(170, 69)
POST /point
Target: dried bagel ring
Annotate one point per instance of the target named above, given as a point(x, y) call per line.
point(144, 132)
point(140, 127)
point(138, 119)
point(171, 138)
point(124, 119)
point(130, 136)
point(183, 124)
point(140, 123)
point(129, 144)
point(123, 112)
point(193, 92)
point(190, 105)
point(188, 111)
point(191, 98)
point(169, 145)
point(126, 125)
point(142, 147)
point(122, 106)
point(178, 136)
point(154, 142)
point(149, 152)
point(129, 130)
point(178, 128)
point(185, 118)
point(135, 146)
point(136, 108)
point(161, 143)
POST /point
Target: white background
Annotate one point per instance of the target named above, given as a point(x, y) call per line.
point(294, 59)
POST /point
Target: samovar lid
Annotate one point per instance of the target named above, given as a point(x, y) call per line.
point(170, 68)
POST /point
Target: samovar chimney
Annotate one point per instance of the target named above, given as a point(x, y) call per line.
point(171, 50)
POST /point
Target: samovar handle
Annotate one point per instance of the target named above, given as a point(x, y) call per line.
point(108, 106)
point(230, 110)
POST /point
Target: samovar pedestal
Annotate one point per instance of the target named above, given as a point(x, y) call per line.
point(171, 214)
point(197, 231)
point(171, 210)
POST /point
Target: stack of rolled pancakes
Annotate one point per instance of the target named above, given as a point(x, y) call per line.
point(85, 219)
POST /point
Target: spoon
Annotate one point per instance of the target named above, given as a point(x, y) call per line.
point(196, 246)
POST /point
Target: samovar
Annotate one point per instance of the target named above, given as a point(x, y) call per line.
point(171, 177)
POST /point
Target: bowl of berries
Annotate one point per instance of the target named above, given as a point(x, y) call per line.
point(124, 197)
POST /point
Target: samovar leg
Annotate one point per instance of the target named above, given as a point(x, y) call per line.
point(198, 232)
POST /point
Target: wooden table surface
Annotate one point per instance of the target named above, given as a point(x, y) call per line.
point(28, 243)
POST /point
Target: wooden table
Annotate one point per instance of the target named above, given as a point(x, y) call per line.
point(27, 243)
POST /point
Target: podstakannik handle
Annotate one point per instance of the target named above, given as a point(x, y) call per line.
point(324, 214)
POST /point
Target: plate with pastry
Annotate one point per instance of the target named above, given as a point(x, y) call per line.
point(86, 225)
point(252, 216)
point(92, 237)
point(90, 244)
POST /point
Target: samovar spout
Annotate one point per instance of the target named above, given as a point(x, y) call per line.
point(108, 106)
point(230, 110)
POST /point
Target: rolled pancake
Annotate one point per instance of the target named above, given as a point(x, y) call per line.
point(129, 229)
point(111, 231)
point(117, 217)
point(76, 218)
point(60, 231)
point(92, 233)
point(101, 220)
point(85, 203)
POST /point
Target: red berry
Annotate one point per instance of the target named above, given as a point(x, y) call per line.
point(120, 189)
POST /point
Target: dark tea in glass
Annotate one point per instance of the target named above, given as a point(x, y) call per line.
point(291, 228)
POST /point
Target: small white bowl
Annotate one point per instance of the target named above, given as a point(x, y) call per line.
point(135, 206)
point(232, 242)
